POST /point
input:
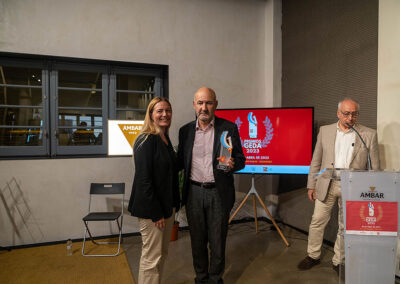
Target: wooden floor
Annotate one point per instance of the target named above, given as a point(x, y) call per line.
point(50, 264)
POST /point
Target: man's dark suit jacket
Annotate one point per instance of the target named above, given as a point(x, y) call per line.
point(223, 180)
point(155, 189)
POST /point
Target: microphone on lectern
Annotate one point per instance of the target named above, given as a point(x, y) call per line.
point(365, 145)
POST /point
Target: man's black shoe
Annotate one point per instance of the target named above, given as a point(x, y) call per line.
point(308, 263)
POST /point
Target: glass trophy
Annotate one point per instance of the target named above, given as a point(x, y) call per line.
point(225, 152)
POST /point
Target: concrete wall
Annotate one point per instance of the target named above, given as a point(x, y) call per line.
point(389, 84)
point(229, 45)
point(219, 43)
point(45, 200)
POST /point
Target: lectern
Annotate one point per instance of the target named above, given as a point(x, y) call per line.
point(371, 222)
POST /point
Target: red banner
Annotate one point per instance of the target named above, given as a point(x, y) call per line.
point(371, 218)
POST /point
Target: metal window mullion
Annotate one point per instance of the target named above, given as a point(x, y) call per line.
point(53, 99)
point(112, 102)
point(14, 151)
point(105, 100)
point(81, 108)
point(157, 86)
point(46, 111)
point(79, 89)
point(80, 150)
point(135, 92)
point(162, 91)
point(131, 109)
point(139, 71)
point(20, 126)
point(22, 106)
point(80, 127)
point(79, 67)
point(22, 86)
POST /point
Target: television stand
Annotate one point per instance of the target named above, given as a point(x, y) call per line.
point(254, 194)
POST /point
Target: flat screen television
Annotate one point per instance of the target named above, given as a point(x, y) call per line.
point(274, 140)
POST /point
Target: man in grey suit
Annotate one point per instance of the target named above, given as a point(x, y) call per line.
point(338, 146)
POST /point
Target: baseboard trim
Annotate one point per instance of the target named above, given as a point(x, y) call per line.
point(244, 220)
point(65, 241)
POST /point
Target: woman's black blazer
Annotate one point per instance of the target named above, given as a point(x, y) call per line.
point(155, 189)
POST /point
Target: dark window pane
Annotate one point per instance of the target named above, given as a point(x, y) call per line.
point(75, 79)
point(68, 98)
point(130, 115)
point(21, 137)
point(135, 82)
point(131, 100)
point(20, 76)
point(20, 96)
point(80, 137)
point(21, 116)
point(77, 117)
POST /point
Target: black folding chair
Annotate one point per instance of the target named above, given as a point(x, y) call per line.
point(104, 189)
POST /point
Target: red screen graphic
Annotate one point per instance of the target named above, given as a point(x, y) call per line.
point(276, 136)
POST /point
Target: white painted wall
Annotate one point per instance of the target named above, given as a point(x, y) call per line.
point(219, 43)
point(45, 200)
point(224, 44)
point(388, 118)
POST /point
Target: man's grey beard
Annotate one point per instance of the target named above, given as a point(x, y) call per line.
point(208, 118)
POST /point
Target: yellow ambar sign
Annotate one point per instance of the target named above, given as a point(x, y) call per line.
point(130, 131)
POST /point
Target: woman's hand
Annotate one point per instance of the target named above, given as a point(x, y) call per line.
point(160, 223)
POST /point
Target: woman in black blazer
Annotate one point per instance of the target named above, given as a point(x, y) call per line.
point(155, 192)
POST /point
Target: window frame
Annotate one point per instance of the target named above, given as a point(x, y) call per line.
point(50, 67)
point(125, 71)
point(54, 109)
point(7, 151)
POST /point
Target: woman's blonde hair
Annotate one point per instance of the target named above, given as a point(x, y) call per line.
point(149, 127)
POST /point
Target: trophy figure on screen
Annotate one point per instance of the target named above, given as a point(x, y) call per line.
point(252, 125)
point(225, 152)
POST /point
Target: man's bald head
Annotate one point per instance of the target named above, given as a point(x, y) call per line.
point(205, 102)
point(206, 90)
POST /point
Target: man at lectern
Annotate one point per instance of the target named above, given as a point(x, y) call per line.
point(338, 146)
point(208, 192)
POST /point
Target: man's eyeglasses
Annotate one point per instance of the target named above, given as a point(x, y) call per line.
point(347, 113)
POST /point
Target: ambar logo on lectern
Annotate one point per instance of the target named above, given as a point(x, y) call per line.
point(372, 194)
